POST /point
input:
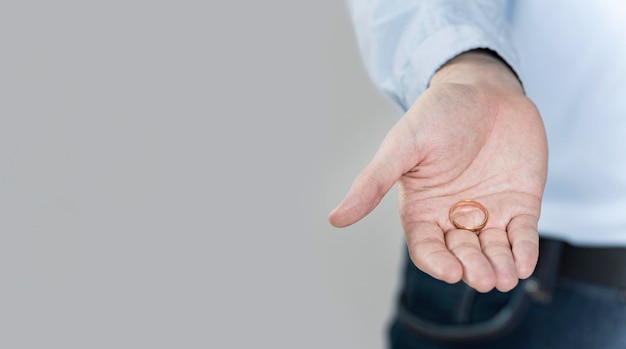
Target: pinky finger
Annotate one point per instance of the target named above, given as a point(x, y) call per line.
point(524, 239)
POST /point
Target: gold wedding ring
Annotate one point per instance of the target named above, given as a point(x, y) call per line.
point(473, 203)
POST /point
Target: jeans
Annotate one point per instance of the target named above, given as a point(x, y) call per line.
point(544, 311)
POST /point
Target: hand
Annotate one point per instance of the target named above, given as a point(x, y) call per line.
point(471, 135)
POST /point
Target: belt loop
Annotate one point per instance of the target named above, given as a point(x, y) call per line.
point(541, 285)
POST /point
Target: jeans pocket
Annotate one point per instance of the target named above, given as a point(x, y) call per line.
point(474, 317)
point(438, 311)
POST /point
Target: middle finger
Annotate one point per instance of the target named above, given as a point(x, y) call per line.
point(477, 269)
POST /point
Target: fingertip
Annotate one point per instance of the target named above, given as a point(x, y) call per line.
point(506, 283)
point(349, 211)
point(331, 216)
point(526, 255)
point(524, 271)
point(332, 221)
point(483, 284)
point(440, 265)
point(450, 272)
point(428, 252)
point(336, 219)
point(452, 275)
point(524, 240)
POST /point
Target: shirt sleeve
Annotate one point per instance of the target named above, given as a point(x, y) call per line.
point(404, 42)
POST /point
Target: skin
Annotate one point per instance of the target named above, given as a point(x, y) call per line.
point(472, 134)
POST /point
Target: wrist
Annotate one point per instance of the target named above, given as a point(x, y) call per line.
point(479, 68)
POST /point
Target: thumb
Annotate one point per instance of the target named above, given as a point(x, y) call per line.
point(396, 156)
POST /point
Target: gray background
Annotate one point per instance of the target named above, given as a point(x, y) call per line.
point(166, 168)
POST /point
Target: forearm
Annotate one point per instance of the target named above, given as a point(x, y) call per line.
point(404, 42)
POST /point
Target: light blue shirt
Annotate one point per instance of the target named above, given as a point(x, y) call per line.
point(571, 58)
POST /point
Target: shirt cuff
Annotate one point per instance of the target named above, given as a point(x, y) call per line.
point(429, 55)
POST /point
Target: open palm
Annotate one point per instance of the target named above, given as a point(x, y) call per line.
point(462, 141)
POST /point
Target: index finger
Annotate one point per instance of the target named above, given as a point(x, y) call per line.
point(428, 251)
